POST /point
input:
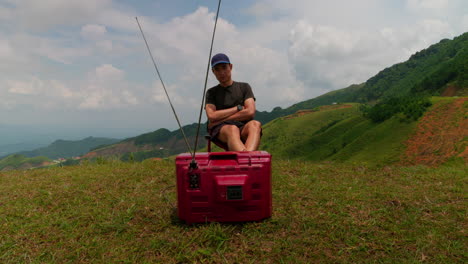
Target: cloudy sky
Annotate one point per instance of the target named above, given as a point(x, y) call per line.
point(72, 69)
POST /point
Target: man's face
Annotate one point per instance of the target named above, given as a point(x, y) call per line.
point(222, 72)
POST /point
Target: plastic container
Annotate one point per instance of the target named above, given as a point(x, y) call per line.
point(226, 187)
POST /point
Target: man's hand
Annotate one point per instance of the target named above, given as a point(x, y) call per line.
point(217, 116)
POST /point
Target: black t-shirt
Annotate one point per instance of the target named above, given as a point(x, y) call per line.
point(227, 97)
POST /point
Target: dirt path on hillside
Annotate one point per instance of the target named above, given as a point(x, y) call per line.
point(439, 135)
point(321, 108)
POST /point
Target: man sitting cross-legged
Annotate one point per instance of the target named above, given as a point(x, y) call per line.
point(230, 107)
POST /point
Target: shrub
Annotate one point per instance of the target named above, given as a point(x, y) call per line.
point(412, 107)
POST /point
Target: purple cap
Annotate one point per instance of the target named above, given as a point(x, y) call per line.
point(219, 58)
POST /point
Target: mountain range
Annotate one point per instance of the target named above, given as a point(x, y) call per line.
point(334, 125)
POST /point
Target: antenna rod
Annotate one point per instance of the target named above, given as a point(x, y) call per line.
point(168, 98)
point(206, 81)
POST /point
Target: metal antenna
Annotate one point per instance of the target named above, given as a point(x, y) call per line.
point(165, 90)
point(193, 164)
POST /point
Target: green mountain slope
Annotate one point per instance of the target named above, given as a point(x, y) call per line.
point(69, 148)
point(338, 133)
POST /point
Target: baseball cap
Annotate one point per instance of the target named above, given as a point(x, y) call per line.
point(219, 58)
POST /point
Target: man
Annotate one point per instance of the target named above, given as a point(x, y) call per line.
point(230, 107)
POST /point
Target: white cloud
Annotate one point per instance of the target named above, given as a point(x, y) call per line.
point(36, 86)
point(108, 73)
point(106, 88)
point(21, 87)
point(427, 4)
point(5, 49)
point(268, 72)
point(61, 50)
point(328, 57)
point(464, 21)
point(93, 31)
point(185, 39)
point(123, 20)
point(41, 15)
point(5, 13)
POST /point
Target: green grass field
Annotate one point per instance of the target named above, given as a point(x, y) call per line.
point(119, 212)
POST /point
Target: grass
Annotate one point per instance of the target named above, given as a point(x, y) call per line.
point(380, 143)
point(118, 212)
point(288, 137)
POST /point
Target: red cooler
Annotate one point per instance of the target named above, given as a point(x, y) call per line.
point(226, 187)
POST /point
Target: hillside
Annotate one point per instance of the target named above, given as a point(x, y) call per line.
point(69, 148)
point(335, 133)
point(342, 133)
point(441, 134)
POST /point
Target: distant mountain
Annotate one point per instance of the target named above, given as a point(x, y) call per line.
point(159, 143)
point(69, 148)
point(13, 148)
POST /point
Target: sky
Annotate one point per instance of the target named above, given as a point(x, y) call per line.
point(71, 69)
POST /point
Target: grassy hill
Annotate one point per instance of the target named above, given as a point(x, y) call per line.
point(336, 133)
point(117, 212)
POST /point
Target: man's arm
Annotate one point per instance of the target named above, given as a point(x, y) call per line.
point(217, 116)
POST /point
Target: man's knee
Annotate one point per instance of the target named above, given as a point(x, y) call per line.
point(254, 126)
point(230, 131)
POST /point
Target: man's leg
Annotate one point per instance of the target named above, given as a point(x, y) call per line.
point(251, 135)
point(230, 135)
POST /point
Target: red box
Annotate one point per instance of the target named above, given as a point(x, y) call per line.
point(226, 187)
